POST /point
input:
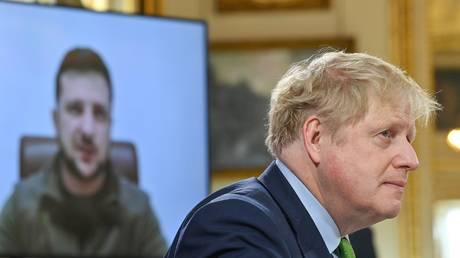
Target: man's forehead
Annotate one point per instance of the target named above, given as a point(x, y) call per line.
point(396, 100)
point(71, 75)
point(399, 108)
point(391, 114)
point(85, 85)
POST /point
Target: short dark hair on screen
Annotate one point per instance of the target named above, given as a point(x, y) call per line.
point(82, 60)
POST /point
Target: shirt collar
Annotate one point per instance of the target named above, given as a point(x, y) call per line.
point(323, 221)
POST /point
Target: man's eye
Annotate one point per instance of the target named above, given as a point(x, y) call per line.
point(387, 134)
point(100, 113)
point(74, 109)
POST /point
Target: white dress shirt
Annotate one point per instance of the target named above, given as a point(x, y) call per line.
point(323, 221)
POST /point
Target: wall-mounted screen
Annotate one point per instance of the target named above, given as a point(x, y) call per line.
point(132, 100)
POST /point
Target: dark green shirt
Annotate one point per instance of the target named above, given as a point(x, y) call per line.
point(41, 218)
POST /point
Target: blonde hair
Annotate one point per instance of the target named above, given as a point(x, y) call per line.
point(336, 86)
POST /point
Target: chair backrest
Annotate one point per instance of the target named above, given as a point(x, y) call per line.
point(36, 151)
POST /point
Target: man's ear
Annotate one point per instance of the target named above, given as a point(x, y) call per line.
point(312, 130)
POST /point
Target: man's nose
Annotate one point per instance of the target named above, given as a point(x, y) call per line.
point(406, 157)
point(88, 123)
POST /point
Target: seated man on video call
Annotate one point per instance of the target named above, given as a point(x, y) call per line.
point(340, 129)
point(77, 205)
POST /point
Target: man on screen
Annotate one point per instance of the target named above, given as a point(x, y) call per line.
point(340, 129)
point(77, 205)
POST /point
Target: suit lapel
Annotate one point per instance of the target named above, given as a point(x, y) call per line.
point(308, 236)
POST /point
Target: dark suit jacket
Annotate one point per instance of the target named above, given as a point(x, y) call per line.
point(363, 243)
point(260, 217)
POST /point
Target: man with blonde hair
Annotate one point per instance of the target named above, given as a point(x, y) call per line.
point(340, 129)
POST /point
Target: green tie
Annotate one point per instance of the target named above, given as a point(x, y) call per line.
point(345, 249)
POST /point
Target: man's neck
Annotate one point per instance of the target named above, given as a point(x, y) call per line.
point(296, 159)
point(78, 187)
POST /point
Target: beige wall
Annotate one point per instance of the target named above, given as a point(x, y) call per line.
point(365, 21)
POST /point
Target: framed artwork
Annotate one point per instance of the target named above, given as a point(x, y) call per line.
point(269, 5)
point(447, 81)
point(446, 70)
point(241, 77)
point(140, 7)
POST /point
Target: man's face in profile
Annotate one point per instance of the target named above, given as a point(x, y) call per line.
point(82, 121)
point(368, 166)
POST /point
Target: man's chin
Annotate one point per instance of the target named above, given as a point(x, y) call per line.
point(84, 171)
point(87, 173)
point(392, 211)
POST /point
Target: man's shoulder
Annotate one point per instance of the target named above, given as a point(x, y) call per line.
point(27, 193)
point(32, 186)
point(131, 197)
point(248, 190)
point(249, 204)
point(237, 219)
point(241, 197)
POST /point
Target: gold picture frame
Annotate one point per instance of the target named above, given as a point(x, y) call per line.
point(270, 5)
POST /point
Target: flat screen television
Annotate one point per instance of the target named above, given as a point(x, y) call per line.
point(158, 69)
